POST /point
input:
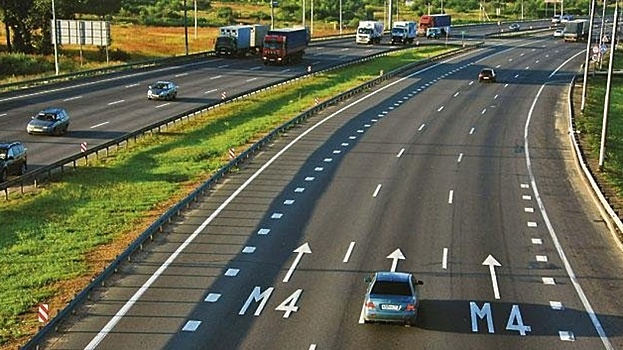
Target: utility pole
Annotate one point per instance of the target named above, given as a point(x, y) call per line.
point(588, 53)
point(186, 27)
point(341, 17)
point(56, 68)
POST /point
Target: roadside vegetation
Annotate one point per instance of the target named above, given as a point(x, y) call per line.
point(60, 235)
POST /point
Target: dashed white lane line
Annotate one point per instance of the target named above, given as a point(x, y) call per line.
point(232, 272)
point(299, 189)
point(210, 91)
point(181, 75)
point(191, 326)
point(115, 102)
point(255, 68)
point(460, 158)
point(496, 97)
point(400, 153)
point(548, 280)
point(541, 258)
point(132, 85)
point(421, 127)
point(351, 246)
point(276, 216)
point(288, 202)
point(309, 178)
point(216, 77)
point(163, 105)
point(3, 114)
point(532, 224)
point(440, 109)
point(98, 125)
point(248, 250)
point(472, 130)
point(263, 231)
point(450, 196)
point(528, 210)
point(483, 111)
point(376, 191)
point(444, 259)
point(312, 347)
point(456, 94)
point(537, 241)
point(318, 168)
point(516, 76)
point(223, 66)
point(566, 336)
point(72, 98)
point(556, 305)
point(285, 70)
point(212, 298)
point(251, 79)
point(525, 186)
point(526, 197)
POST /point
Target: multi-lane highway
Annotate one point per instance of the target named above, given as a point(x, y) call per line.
point(471, 183)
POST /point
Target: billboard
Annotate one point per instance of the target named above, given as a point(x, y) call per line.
point(73, 32)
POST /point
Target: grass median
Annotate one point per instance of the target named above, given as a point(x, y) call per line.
point(56, 238)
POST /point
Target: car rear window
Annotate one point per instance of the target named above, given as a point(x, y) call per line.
point(391, 288)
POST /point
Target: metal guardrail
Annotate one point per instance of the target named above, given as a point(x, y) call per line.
point(176, 210)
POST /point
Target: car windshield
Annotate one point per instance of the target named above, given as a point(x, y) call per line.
point(48, 117)
point(398, 31)
point(160, 86)
point(487, 72)
point(391, 288)
point(272, 44)
point(364, 31)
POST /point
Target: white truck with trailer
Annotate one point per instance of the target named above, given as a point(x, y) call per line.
point(369, 32)
point(404, 32)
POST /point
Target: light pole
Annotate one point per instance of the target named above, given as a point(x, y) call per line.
point(54, 38)
point(303, 13)
point(341, 17)
point(186, 27)
point(522, 10)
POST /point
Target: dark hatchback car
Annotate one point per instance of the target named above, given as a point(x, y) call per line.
point(50, 121)
point(162, 90)
point(391, 297)
point(12, 159)
point(487, 74)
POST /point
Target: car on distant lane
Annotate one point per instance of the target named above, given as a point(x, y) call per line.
point(391, 297)
point(559, 33)
point(514, 27)
point(50, 121)
point(487, 74)
point(162, 90)
point(12, 159)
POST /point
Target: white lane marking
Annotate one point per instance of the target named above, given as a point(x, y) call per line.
point(251, 79)
point(400, 153)
point(376, 191)
point(506, 85)
point(576, 284)
point(288, 202)
point(344, 144)
point(523, 53)
point(232, 272)
point(361, 319)
point(496, 97)
point(526, 197)
point(440, 109)
point(525, 185)
point(212, 298)
point(255, 68)
point(450, 196)
point(248, 250)
point(216, 77)
point(72, 98)
point(483, 111)
point(315, 62)
point(132, 85)
point(516, 76)
point(537, 241)
point(309, 178)
point(548, 280)
point(328, 160)
point(163, 105)
point(351, 246)
point(528, 67)
point(528, 210)
point(181, 75)
point(344, 49)
point(556, 305)
point(537, 61)
point(136, 296)
point(263, 231)
point(444, 259)
point(276, 216)
point(190, 326)
point(210, 91)
point(456, 94)
point(115, 102)
point(285, 70)
point(472, 130)
point(98, 125)
point(532, 224)
point(460, 158)
point(318, 168)
point(567, 336)
point(299, 189)
point(471, 83)
point(312, 347)
point(223, 66)
point(421, 127)
point(3, 114)
point(541, 258)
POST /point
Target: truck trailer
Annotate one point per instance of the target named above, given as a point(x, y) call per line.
point(240, 40)
point(369, 32)
point(284, 46)
point(576, 30)
point(441, 21)
point(404, 32)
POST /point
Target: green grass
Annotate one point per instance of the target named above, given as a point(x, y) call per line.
point(48, 234)
point(589, 124)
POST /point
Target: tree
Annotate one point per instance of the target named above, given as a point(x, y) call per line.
point(101, 8)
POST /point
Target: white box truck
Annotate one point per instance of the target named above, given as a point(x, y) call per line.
point(404, 32)
point(369, 32)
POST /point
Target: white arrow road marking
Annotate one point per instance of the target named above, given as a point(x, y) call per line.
point(490, 260)
point(397, 254)
point(304, 249)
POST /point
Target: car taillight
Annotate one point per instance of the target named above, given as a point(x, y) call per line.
point(370, 305)
point(410, 307)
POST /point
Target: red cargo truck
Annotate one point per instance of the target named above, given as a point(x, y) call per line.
point(284, 46)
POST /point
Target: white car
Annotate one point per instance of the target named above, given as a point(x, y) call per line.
point(559, 33)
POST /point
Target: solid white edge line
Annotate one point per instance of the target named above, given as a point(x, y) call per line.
point(126, 307)
point(552, 233)
point(351, 246)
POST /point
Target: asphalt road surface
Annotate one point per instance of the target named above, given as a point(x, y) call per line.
point(469, 181)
